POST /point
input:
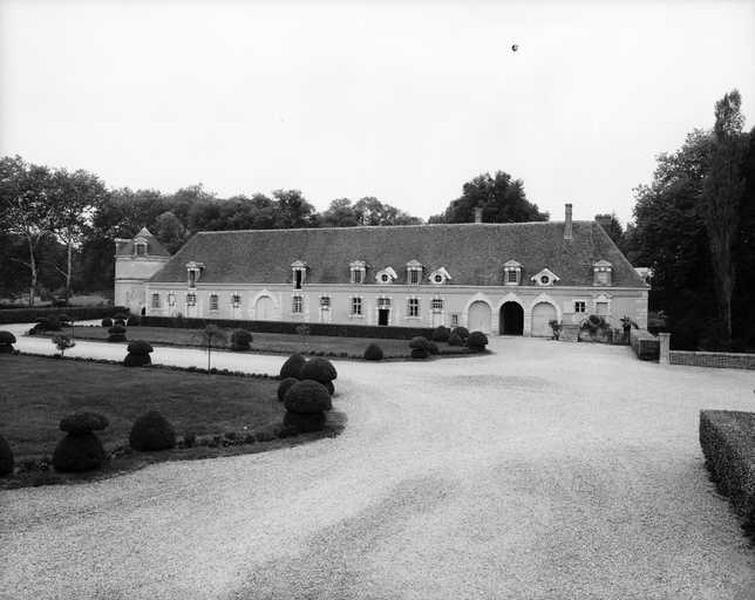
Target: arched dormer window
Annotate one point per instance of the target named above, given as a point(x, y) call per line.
point(602, 272)
point(545, 278)
point(386, 276)
point(299, 273)
point(414, 272)
point(193, 272)
point(512, 273)
point(439, 276)
point(358, 270)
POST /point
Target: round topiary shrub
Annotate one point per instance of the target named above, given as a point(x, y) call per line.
point(462, 332)
point(304, 423)
point(7, 339)
point(107, 322)
point(419, 353)
point(373, 352)
point(420, 342)
point(307, 397)
point(455, 340)
point(140, 347)
point(319, 369)
point(76, 453)
point(6, 458)
point(120, 315)
point(432, 348)
point(330, 387)
point(292, 367)
point(152, 431)
point(477, 341)
point(284, 386)
point(441, 333)
point(240, 340)
point(117, 333)
point(119, 322)
point(52, 323)
point(137, 360)
point(81, 449)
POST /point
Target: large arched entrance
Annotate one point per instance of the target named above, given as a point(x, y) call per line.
point(542, 314)
point(263, 309)
point(479, 316)
point(512, 319)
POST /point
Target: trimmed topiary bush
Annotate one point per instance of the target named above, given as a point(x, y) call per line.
point(117, 333)
point(419, 353)
point(7, 339)
point(319, 369)
point(330, 387)
point(455, 340)
point(307, 397)
point(240, 340)
point(81, 449)
point(121, 316)
point(152, 432)
point(292, 367)
point(477, 341)
point(304, 423)
point(6, 458)
point(421, 343)
point(373, 352)
point(284, 386)
point(441, 333)
point(138, 354)
point(462, 332)
point(432, 348)
point(140, 347)
point(107, 322)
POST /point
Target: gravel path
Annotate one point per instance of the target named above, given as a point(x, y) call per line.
point(545, 470)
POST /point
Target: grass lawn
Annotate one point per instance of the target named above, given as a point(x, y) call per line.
point(38, 391)
point(266, 342)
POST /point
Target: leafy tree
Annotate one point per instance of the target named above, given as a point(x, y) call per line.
point(340, 213)
point(612, 227)
point(722, 193)
point(25, 210)
point(213, 337)
point(370, 211)
point(293, 210)
point(502, 201)
point(170, 231)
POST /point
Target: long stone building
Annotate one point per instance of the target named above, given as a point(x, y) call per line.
point(511, 278)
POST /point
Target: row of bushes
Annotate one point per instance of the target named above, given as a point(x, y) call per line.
point(81, 313)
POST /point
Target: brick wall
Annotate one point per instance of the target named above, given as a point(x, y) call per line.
point(724, 360)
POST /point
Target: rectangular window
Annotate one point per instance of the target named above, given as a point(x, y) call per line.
point(512, 276)
point(414, 275)
point(325, 301)
point(413, 307)
point(579, 306)
point(356, 306)
point(437, 304)
point(191, 299)
point(171, 299)
point(384, 302)
point(141, 249)
point(298, 278)
point(236, 300)
point(155, 300)
point(603, 277)
point(192, 278)
point(357, 276)
point(297, 304)
point(454, 319)
point(213, 302)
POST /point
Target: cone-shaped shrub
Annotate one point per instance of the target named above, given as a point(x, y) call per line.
point(307, 397)
point(477, 341)
point(7, 339)
point(117, 333)
point(292, 367)
point(373, 352)
point(319, 369)
point(284, 386)
point(240, 340)
point(304, 423)
point(76, 453)
point(441, 333)
point(6, 458)
point(152, 431)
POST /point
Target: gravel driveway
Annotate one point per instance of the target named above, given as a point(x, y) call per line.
point(545, 470)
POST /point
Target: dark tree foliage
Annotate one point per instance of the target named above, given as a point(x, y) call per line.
point(502, 201)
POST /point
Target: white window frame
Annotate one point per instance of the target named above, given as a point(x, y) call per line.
point(325, 302)
point(354, 303)
point(414, 272)
point(155, 300)
point(297, 304)
point(576, 304)
point(512, 267)
point(236, 300)
point(140, 244)
point(171, 298)
point(413, 306)
point(455, 319)
point(602, 269)
point(358, 272)
point(191, 299)
point(214, 302)
point(434, 305)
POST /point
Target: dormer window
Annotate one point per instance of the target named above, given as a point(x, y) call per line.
point(193, 272)
point(386, 276)
point(439, 276)
point(413, 272)
point(602, 273)
point(358, 270)
point(512, 273)
point(299, 272)
point(545, 278)
point(140, 247)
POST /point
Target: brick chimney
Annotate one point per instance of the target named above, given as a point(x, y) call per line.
point(478, 214)
point(567, 223)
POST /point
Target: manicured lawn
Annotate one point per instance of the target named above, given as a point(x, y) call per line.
point(38, 391)
point(265, 342)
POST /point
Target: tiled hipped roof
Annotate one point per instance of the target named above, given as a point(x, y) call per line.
point(473, 253)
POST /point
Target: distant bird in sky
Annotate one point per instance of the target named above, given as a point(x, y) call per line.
point(514, 47)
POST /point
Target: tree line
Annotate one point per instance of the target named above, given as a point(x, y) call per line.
point(58, 228)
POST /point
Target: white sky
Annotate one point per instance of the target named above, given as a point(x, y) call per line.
point(402, 100)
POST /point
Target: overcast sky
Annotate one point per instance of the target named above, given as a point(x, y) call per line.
point(402, 100)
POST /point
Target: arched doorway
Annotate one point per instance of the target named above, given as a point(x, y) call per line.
point(263, 308)
point(542, 314)
point(479, 316)
point(512, 319)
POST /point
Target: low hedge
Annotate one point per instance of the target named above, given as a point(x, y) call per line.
point(81, 313)
point(727, 439)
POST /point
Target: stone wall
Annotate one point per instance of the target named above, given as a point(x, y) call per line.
point(722, 360)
